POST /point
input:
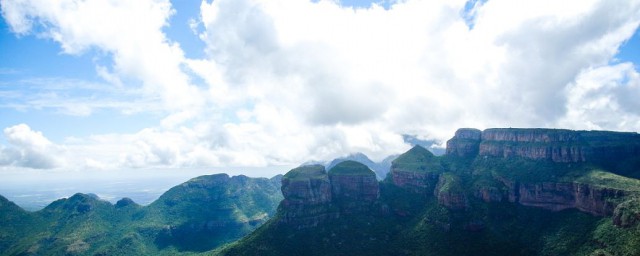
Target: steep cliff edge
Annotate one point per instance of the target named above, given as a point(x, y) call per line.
point(465, 143)
point(616, 149)
point(560, 146)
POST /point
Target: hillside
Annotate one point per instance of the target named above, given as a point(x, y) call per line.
point(193, 217)
point(495, 192)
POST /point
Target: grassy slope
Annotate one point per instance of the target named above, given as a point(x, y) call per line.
point(417, 159)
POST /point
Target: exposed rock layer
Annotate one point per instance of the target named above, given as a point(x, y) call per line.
point(311, 195)
point(562, 146)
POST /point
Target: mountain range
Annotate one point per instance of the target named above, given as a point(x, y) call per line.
point(493, 192)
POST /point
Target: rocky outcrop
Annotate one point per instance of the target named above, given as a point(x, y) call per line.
point(307, 197)
point(353, 181)
point(421, 183)
point(416, 170)
point(311, 195)
point(465, 143)
point(450, 193)
point(627, 213)
point(354, 186)
point(561, 146)
point(557, 196)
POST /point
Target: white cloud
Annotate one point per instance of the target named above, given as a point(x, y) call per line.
point(129, 32)
point(605, 98)
point(29, 148)
point(286, 81)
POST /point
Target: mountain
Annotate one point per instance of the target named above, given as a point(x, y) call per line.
point(495, 192)
point(196, 216)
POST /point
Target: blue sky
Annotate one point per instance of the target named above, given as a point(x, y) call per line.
point(192, 84)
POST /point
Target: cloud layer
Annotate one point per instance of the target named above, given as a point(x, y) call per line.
point(287, 81)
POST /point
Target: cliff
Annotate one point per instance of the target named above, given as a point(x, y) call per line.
point(560, 146)
point(465, 143)
point(353, 181)
point(307, 197)
point(556, 196)
point(416, 170)
point(313, 195)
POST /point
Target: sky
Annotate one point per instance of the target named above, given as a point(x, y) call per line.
point(258, 86)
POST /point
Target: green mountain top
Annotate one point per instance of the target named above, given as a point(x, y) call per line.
point(350, 167)
point(417, 159)
point(306, 172)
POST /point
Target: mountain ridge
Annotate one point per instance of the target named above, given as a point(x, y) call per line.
point(547, 201)
point(195, 216)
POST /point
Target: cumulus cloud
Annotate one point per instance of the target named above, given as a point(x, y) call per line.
point(129, 32)
point(287, 81)
point(29, 148)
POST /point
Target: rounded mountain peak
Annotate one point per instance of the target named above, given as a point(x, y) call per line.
point(351, 167)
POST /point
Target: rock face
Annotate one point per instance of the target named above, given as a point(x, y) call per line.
point(552, 146)
point(561, 146)
point(560, 196)
point(627, 213)
point(311, 195)
point(555, 196)
point(353, 181)
point(416, 170)
point(465, 143)
point(307, 197)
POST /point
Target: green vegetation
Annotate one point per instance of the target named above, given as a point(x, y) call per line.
point(306, 172)
point(450, 182)
point(350, 168)
point(417, 159)
point(194, 217)
point(602, 178)
point(422, 227)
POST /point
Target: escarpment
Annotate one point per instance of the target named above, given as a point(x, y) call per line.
point(556, 145)
point(544, 168)
point(555, 196)
point(559, 149)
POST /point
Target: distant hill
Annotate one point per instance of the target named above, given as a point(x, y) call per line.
point(495, 192)
point(196, 216)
